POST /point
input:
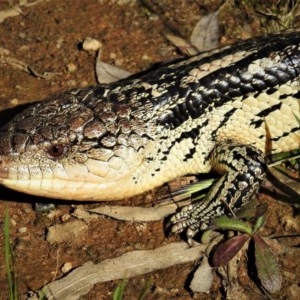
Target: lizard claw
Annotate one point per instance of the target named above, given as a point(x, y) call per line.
point(186, 221)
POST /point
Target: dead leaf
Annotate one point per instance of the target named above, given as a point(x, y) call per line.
point(11, 12)
point(107, 73)
point(81, 280)
point(205, 35)
point(23, 66)
point(16, 10)
point(182, 44)
point(136, 214)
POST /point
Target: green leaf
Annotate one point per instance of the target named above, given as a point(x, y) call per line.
point(267, 267)
point(9, 259)
point(145, 290)
point(289, 191)
point(278, 158)
point(196, 188)
point(227, 223)
point(119, 291)
point(206, 236)
point(259, 223)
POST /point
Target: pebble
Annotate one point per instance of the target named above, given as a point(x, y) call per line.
point(65, 217)
point(13, 222)
point(54, 214)
point(73, 232)
point(14, 101)
point(90, 44)
point(112, 55)
point(71, 67)
point(59, 43)
point(66, 267)
point(22, 230)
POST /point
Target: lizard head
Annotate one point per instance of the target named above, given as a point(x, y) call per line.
point(65, 148)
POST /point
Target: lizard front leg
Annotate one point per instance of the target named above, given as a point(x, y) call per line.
point(243, 169)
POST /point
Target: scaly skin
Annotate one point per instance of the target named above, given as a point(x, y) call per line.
point(227, 110)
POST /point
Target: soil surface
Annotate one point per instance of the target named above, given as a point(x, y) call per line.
point(47, 37)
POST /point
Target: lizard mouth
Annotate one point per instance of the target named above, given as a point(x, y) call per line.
point(59, 185)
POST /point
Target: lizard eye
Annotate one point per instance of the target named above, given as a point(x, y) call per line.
point(56, 150)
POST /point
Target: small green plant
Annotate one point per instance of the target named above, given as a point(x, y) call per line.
point(278, 16)
point(119, 291)
point(9, 260)
point(268, 270)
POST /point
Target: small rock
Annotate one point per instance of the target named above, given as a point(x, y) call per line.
point(141, 227)
point(66, 267)
point(65, 218)
point(54, 214)
point(112, 55)
point(22, 230)
point(90, 44)
point(174, 292)
point(71, 67)
point(72, 232)
point(14, 101)
point(59, 43)
point(13, 222)
point(149, 197)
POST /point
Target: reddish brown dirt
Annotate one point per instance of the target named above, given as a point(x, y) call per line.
point(48, 37)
